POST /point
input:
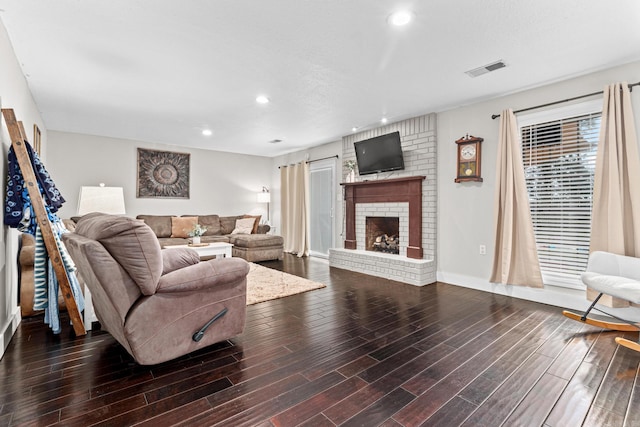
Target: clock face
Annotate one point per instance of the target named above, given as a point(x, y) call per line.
point(468, 152)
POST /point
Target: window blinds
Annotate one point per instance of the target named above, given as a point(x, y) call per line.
point(559, 161)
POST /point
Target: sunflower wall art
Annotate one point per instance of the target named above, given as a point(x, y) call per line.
point(163, 174)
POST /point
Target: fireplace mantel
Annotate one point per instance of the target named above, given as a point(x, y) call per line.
point(407, 190)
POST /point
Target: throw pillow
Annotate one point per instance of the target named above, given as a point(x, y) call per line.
point(254, 230)
point(244, 226)
point(181, 226)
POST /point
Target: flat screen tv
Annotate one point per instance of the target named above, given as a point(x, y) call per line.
point(380, 154)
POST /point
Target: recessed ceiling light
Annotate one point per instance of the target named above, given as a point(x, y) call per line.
point(400, 18)
point(383, 120)
point(261, 99)
point(207, 132)
point(354, 129)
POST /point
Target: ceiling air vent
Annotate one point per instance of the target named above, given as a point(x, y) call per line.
point(275, 141)
point(486, 69)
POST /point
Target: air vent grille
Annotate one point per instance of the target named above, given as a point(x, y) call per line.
point(275, 141)
point(486, 69)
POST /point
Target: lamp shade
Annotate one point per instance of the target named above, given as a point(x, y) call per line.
point(103, 199)
point(264, 197)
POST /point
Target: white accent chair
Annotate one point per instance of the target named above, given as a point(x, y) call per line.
point(618, 276)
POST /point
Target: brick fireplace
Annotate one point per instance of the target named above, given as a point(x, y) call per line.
point(409, 195)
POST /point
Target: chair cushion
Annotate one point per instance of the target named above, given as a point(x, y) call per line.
point(617, 286)
point(130, 242)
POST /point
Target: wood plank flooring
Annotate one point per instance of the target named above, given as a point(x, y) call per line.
point(363, 351)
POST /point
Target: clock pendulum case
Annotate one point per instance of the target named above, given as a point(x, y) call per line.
point(468, 159)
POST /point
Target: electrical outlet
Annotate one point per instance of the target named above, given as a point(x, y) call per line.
point(483, 249)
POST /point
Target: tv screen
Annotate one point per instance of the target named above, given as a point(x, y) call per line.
point(380, 154)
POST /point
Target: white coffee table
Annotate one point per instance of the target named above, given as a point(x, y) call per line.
point(217, 249)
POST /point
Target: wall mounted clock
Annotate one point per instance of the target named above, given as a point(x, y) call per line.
point(468, 159)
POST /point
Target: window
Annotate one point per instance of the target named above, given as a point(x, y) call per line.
point(559, 156)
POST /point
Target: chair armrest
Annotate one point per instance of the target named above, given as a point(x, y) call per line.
point(177, 258)
point(204, 275)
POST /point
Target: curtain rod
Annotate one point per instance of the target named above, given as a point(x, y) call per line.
point(495, 116)
point(335, 156)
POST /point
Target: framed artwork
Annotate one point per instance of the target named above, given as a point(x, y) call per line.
point(162, 174)
point(37, 141)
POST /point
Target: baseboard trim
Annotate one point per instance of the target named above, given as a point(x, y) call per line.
point(9, 329)
point(574, 299)
point(551, 295)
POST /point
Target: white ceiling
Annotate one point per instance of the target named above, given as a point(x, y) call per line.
point(162, 70)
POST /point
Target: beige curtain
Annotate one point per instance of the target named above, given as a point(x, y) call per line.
point(615, 221)
point(515, 260)
point(294, 181)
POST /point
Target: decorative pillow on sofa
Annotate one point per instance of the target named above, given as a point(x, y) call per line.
point(254, 230)
point(181, 226)
point(244, 226)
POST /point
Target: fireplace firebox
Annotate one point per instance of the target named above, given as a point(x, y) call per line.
point(382, 234)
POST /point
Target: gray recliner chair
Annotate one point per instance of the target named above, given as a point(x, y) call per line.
point(159, 304)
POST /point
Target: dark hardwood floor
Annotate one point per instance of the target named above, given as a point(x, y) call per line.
point(361, 352)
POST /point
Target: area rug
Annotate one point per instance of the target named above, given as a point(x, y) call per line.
point(264, 284)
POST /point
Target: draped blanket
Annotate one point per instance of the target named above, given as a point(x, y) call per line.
point(18, 213)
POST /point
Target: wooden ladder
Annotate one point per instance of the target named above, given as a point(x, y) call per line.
point(18, 140)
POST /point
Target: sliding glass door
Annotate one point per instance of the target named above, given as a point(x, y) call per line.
point(322, 200)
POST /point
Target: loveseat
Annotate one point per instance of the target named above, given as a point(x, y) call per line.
point(249, 238)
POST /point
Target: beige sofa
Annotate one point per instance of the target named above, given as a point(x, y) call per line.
point(255, 246)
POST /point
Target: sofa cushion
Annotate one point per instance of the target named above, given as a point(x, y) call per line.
point(244, 226)
point(160, 224)
point(211, 222)
point(177, 258)
point(130, 242)
point(255, 240)
point(228, 223)
point(213, 239)
point(182, 226)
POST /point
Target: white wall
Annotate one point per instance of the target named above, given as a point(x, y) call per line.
point(220, 183)
point(465, 210)
point(15, 94)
